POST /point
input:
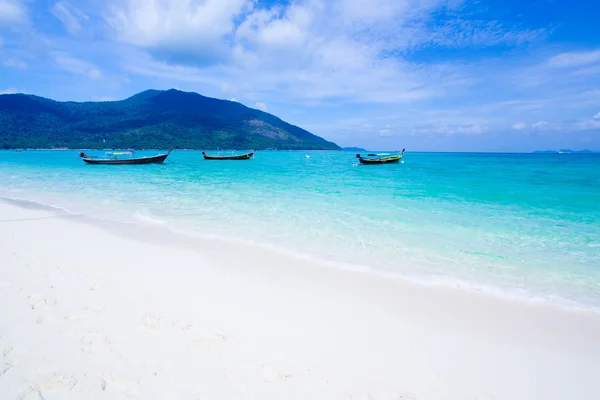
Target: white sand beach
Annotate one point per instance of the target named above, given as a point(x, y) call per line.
point(89, 311)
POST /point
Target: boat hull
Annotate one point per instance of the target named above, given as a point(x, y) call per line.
point(381, 160)
point(237, 157)
point(143, 160)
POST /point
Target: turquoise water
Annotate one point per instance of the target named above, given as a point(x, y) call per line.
point(523, 225)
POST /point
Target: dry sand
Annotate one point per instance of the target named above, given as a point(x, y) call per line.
point(91, 311)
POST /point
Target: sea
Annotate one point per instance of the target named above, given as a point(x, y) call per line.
point(521, 226)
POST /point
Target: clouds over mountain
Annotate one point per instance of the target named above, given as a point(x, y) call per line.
point(445, 66)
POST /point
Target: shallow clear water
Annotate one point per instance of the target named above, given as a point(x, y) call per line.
point(516, 224)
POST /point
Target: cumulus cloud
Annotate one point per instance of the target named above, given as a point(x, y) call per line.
point(69, 16)
point(75, 65)
point(14, 63)
point(186, 31)
point(465, 33)
point(471, 129)
point(597, 117)
point(140, 63)
point(450, 130)
point(12, 12)
point(260, 106)
point(575, 59)
point(377, 10)
point(10, 90)
point(519, 126)
point(276, 28)
point(309, 51)
point(339, 70)
point(587, 125)
point(540, 125)
point(386, 131)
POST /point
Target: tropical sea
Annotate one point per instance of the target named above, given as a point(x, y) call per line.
point(523, 226)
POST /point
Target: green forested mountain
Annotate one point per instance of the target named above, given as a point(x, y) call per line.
point(151, 119)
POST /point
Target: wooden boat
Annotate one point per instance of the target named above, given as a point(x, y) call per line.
point(246, 156)
point(380, 158)
point(111, 158)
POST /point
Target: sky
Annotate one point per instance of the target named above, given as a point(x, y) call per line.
point(430, 75)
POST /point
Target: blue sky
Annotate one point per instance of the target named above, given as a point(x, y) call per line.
point(438, 75)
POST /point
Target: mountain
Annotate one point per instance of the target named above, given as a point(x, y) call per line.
point(151, 119)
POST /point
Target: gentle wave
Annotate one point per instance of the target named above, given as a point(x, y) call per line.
point(148, 219)
point(440, 281)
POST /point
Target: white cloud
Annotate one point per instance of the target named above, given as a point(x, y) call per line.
point(575, 59)
point(12, 12)
point(341, 70)
point(449, 130)
point(76, 65)
point(587, 71)
point(14, 63)
point(519, 126)
point(311, 51)
point(386, 131)
point(266, 28)
point(474, 33)
point(179, 31)
point(69, 16)
point(357, 10)
point(10, 90)
point(103, 98)
point(261, 106)
point(587, 125)
point(471, 129)
point(141, 64)
point(569, 126)
point(597, 117)
point(94, 73)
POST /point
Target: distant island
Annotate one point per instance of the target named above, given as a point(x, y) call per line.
point(148, 120)
point(565, 151)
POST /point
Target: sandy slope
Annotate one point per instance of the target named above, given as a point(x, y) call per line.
point(88, 313)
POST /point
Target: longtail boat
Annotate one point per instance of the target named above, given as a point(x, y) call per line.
point(246, 156)
point(113, 159)
point(380, 158)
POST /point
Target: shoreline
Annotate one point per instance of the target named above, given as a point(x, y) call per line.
point(95, 313)
point(141, 224)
